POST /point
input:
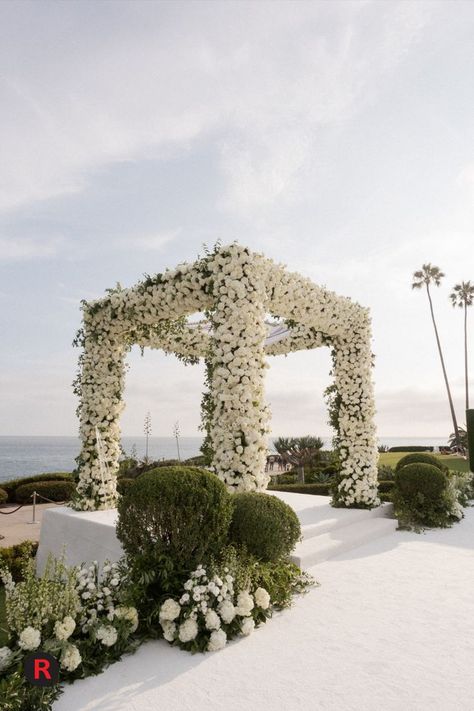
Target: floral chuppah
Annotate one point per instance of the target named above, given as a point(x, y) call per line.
point(237, 287)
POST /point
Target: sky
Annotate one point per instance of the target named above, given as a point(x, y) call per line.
point(335, 137)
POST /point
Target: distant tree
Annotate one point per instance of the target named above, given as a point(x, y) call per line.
point(425, 277)
point(462, 295)
point(299, 451)
point(147, 433)
point(177, 435)
point(462, 436)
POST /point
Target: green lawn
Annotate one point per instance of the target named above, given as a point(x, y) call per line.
point(3, 622)
point(389, 459)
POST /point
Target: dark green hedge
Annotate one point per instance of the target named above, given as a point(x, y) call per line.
point(321, 489)
point(54, 490)
point(419, 458)
point(3, 496)
point(11, 486)
point(411, 448)
point(124, 484)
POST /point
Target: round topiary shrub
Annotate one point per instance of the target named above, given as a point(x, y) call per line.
point(54, 490)
point(421, 458)
point(181, 512)
point(421, 496)
point(3, 496)
point(123, 484)
point(267, 526)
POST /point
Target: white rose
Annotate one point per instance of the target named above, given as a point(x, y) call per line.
point(63, 630)
point(169, 630)
point(262, 598)
point(5, 656)
point(29, 639)
point(217, 640)
point(188, 630)
point(226, 611)
point(169, 610)
point(245, 603)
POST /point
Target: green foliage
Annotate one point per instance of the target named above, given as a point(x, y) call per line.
point(321, 489)
point(207, 410)
point(11, 486)
point(124, 484)
point(421, 458)
point(411, 448)
point(3, 496)
point(14, 558)
point(267, 526)
point(54, 490)
point(385, 473)
point(422, 496)
point(16, 694)
point(180, 512)
point(198, 461)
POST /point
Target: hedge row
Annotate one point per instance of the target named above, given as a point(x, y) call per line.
point(11, 486)
point(411, 448)
point(54, 490)
point(3, 496)
point(385, 487)
point(14, 557)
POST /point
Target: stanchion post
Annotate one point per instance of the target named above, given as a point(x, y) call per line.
point(34, 509)
point(470, 437)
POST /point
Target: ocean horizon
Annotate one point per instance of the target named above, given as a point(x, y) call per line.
point(28, 455)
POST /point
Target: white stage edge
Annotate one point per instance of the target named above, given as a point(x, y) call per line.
point(90, 536)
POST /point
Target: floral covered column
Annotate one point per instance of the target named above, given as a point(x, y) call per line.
point(240, 417)
point(357, 434)
point(100, 384)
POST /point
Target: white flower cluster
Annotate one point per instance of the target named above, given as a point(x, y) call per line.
point(6, 655)
point(63, 630)
point(70, 657)
point(98, 593)
point(209, 612)
point(239, 287)
point(29, 639)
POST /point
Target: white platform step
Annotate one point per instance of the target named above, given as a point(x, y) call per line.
point(323, 546)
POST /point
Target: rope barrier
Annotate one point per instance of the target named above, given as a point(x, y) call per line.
point(34, 495)
point(7, 513)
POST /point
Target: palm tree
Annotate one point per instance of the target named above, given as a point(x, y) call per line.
point(462, 295)
point(462, 436)
point(299, 451)
point(427, 275)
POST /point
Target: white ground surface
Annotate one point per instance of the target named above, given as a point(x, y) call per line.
point(390, 629)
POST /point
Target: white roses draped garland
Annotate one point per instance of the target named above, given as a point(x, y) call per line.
point(239, 287)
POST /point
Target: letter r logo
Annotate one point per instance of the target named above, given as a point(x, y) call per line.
point(41, 666)
point(41, 669)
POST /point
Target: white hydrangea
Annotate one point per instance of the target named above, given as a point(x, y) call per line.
point(129, 614)
point(29, 639)
point(217, 641)
point(245, 603)
point(212, 620)
point(5, 656)
point(170, 610)
point(226, 610)
point(247, 626)
point(70, 658)
point(63, 630)
point(188, 630)
point(169, 630)
point(107, 635)
point(262, 598)
point(240, 287)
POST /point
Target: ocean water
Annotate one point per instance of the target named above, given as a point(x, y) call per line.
point(23, 456)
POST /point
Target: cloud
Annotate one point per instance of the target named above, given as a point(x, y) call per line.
point(25, 248)
point(263, 78)
point(152, 242)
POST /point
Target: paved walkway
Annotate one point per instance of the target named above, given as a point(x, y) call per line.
point(16, 527)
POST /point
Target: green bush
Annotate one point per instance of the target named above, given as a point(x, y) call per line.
point(411, 448)
point(14, 557)
point(3, 496)
point(265, 525)
point(321, 489)
point(180, 512)
point(123, 484)
point(385, 473)
point(11, 486)
point(420, 458)
point(423, 497)
point(54, 490)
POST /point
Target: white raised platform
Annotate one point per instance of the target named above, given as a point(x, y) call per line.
point(327, 532)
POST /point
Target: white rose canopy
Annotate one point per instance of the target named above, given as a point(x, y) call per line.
point(238, 287)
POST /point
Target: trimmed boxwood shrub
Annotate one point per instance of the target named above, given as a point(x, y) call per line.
point(3, 496)
point(421, 496)
point(124, 484)
point(265, 525)
point(54, 490)
point(420, 458)
point(183, 513)
point(321, 489)
point(11, 486)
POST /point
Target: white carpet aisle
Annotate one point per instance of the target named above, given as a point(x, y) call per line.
point(390, 629)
